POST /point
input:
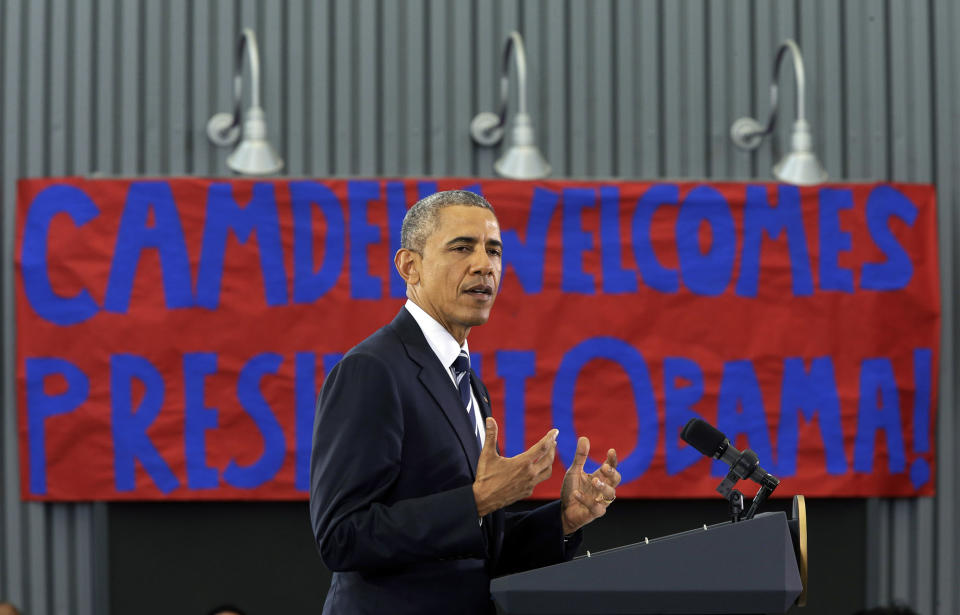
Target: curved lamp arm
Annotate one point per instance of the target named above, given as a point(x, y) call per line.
point(747, 132)
point(224, 128)
point(487, 128)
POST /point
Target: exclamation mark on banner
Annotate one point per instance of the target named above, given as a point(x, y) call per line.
point(920, 469)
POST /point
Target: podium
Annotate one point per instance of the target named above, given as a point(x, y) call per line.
point(751, 566)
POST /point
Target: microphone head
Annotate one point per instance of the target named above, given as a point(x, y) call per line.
point(703, 436)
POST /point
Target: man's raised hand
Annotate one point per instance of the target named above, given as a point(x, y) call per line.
point(585, 497)
point(501, 481)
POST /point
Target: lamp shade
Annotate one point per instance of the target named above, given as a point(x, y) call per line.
point(254, 155)
point(523, 159)
point(800, 166)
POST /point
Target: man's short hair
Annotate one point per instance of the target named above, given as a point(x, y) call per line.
point(421, 219)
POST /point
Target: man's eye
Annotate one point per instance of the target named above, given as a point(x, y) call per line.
point(494, 252)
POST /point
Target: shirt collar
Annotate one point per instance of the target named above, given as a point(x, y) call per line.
point(439, 339)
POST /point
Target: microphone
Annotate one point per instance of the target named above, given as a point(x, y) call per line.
point(710, 441)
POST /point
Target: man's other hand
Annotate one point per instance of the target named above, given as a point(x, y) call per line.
point(501, 481)
point(585, 497)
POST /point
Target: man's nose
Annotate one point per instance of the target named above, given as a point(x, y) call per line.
point(482, 262)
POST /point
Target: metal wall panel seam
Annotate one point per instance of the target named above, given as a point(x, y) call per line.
point(61, 545)
point(673, 135)
point(462, 80)
point(603, 135)
point(579, 77)
point(82, 74)
point(274, 76)
point(438, 65)
point(946, 22)
point(554, 121)
point(696, 97)
point(345, 84)
point(105, 127)
point(321, 119)
point(177, 110)
point(832, 145)
point(650, 104)
point(369, 95)
point(531, 26)
point(270, 20)
point(737, 65)
point(764, 48)
point(199, 70)
point(720, 70)
point(37, 109)
point(484, 69)
point(923, 580)
point(626, 99)
point(81, 25)
point(853, 85)
point(390, 109)
point(152, 90)
point(5, 408)
point(920, 72)
point(82, 564)
point(225, 28)
point(14, 95)
point(59, 88)
point(35, 124)
point(415, 97)
point(902, 535)
point(293, 135)
point(899, 81)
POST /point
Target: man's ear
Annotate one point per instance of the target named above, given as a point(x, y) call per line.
point(407, 263)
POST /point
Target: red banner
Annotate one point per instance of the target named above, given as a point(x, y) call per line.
point(172, 334)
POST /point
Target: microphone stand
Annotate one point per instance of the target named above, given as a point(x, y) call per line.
point(766, 488)
point(743, 468)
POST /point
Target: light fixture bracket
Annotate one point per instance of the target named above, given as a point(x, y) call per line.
point(222, 130)
point(747, 133)
point(486, 129)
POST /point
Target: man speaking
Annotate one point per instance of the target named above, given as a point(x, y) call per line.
point(407, 488)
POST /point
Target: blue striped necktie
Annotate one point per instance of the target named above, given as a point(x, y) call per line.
point(461, 372)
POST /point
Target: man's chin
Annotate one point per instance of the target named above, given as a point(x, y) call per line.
point(476, 317)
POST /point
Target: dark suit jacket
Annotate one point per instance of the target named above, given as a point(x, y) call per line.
point(391, 487)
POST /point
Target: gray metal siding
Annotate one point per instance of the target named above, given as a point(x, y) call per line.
point(619, 88)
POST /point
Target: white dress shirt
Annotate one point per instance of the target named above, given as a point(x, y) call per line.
point(447, 350)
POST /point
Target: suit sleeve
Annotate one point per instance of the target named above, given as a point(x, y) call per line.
point(357, 446)
point(534, 538)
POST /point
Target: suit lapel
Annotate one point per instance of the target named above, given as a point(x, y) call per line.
point(483, 398)
point(438, 384)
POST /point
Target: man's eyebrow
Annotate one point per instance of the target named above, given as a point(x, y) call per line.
point(463, 239)
point(473, 241)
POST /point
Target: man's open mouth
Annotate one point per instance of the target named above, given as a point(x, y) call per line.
point(482, 290)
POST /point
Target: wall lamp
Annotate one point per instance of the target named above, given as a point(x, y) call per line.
point(522, 160)
point(254, 155)
point(800, 166)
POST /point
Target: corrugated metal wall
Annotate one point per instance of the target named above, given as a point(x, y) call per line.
point(620, 88)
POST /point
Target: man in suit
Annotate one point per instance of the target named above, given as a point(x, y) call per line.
point(407, 486)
